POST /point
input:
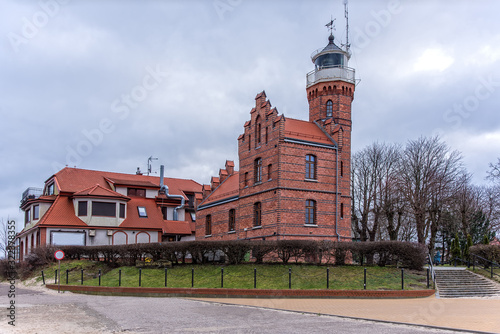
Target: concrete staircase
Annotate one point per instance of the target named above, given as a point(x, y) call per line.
point(458, 282)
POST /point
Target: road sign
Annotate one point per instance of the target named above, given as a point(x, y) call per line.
point(59, 255)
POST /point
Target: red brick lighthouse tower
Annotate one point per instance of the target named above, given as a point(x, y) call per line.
point(330, 92)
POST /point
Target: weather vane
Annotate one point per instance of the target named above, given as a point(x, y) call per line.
point(331, 25)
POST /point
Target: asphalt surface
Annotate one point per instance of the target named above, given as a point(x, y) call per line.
point(40, 311)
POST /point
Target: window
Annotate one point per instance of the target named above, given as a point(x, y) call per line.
point(82, 208)
point(257, 170)
point(136, 192)
point(257, 134)
point(269, 170)
point(164, 212)
point(311, 212)
point(245, 180)
point(36, 212)
point(142, 212)
point(310, 167)
point(190, 200)
point(267, 134)
point(341, 210)
point(249, 141)
point(122, 210)
point(50, 189)
point(341, 168)
point(27, 216)
point(329, 108)
point(208, 225)
point(232, 220)
point(257, 214)
point(104, 209)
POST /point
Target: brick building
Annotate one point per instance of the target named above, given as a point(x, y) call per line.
point(294, 177)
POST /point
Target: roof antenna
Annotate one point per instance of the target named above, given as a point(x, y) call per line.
point(150, 160)
point(346, 14)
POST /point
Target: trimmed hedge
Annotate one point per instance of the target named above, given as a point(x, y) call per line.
point(404, 254)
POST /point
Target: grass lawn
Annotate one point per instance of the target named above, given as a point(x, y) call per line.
point(487, 273)
point(269, 276)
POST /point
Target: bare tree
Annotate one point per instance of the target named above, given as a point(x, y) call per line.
point(373, 184)
point(427, 175)
point(4, 237)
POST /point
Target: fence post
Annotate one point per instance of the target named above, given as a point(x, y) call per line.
point(140, 276)
point(428, 283)
point(81, 278)
point(192, 277)
point(67, 276)
point(364, 283)
point(55, 279)
point(474, 263)
point(255, 278)
point(402, 278)
point(43, 278)
point(119, 277)
point(221, 277)
point(327, 278)
point(99, 277)
point(289, 278)
point(165, 276)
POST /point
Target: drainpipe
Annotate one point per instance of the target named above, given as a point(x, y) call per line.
point(164, 189)
point(337, 192)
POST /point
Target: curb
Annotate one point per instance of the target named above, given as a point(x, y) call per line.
point(241, 293)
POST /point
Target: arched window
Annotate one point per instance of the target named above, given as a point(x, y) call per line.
point(329, 108)
point(257, 170)
point(208, 225)
point(257, 214)
point(232, 220)
point(257, 134)
point(310, 167)
point(311, 212)
point(341, 210)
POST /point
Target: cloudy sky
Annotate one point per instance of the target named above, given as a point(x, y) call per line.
point(106, 84)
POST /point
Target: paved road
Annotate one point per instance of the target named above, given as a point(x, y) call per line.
point(40, 311)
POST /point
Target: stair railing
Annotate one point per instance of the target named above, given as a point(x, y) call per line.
point(431, 269)
point(484, 264)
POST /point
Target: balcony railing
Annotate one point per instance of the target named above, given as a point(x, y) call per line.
point(31, 193)
point(331, 73)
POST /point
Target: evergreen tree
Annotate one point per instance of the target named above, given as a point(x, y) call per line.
point(455, 247)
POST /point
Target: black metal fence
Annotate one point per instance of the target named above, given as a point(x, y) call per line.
point(171, 278)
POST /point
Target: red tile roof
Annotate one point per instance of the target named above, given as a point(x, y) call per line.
point(75, 179)
point(99, 191)
point(154, 219)
point(228, 188)
point(304, 130)
point(61, 213)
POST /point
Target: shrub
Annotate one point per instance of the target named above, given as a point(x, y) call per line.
point(488, 252)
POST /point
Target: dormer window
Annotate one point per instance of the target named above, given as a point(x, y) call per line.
point(136, 192)
point(142, 212)
point(329, 108)
point(50, 189)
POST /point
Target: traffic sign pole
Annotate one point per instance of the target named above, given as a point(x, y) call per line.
point(59, 255)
